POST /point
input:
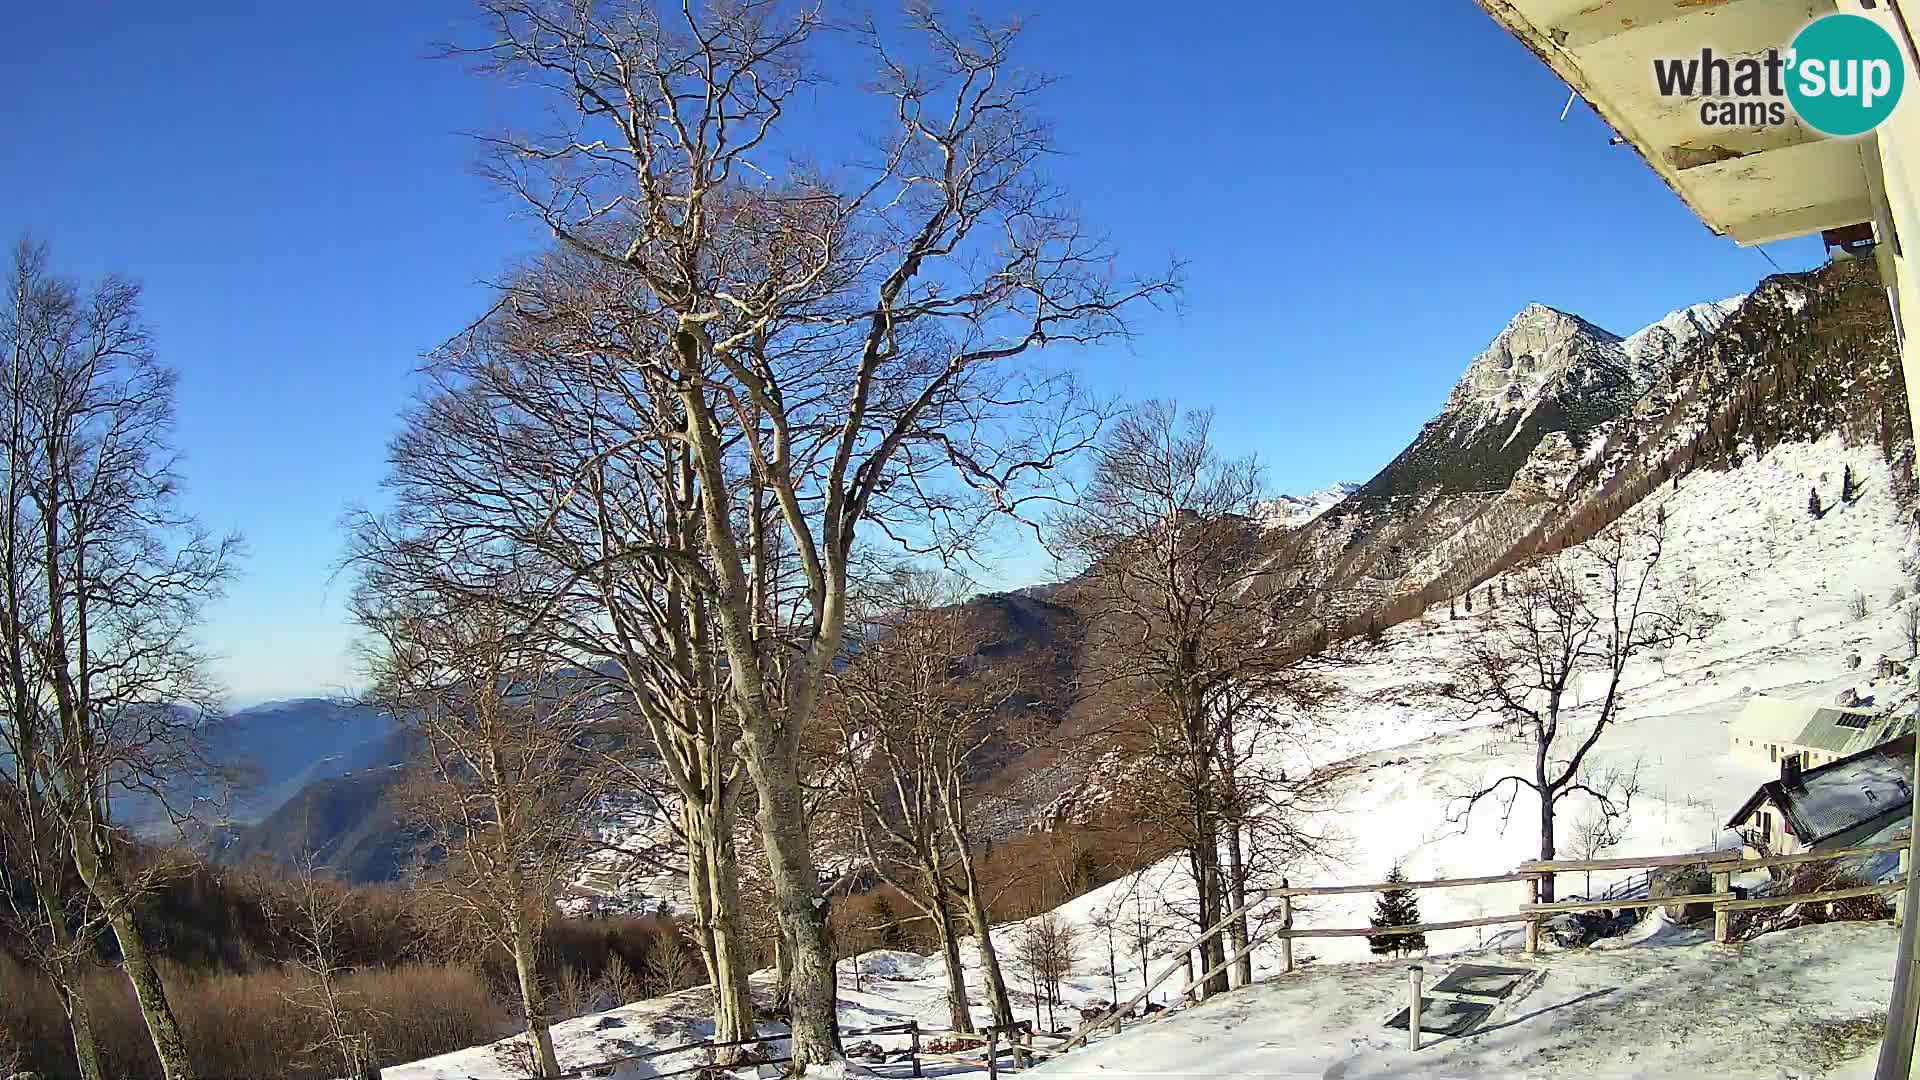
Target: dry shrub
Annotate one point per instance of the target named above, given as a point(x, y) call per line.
point(1813, 878)
point(882, 918)
point(247, 1025)
point(1032, 873)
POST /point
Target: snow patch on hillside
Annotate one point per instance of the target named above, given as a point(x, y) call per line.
point(1293, 511)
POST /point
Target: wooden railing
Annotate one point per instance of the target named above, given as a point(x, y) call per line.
point(607, 1066)
point(1725, 901)
point(1723, 865)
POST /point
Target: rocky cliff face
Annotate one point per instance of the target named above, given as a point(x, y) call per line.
point(1546, 372)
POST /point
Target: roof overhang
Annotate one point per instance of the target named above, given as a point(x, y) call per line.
point(1753, 184)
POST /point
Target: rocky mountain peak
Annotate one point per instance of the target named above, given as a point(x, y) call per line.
point(1545, 352)
point(1538, 351)
point(1652, 349)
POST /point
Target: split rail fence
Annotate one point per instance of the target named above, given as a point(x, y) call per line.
point(1020, 1041)
point(1725, 901)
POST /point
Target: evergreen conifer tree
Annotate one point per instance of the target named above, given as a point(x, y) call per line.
point(1396, 907)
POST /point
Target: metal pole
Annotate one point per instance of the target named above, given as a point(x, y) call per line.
point(1413, 1007)
point(1896, 1047)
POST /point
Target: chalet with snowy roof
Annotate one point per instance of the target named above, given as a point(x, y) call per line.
point(1835, 805)
point(1770, 730)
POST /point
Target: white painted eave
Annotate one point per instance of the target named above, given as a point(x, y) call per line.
point(1751, 184)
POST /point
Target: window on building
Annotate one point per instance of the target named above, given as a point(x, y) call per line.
point(1773, 752)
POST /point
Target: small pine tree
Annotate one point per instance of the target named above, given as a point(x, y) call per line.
point(887, 922)
point(1814, 509)
point(1469, 601)
point(1373, 631)
point(1396, 907)
point(1451, 612)
point(1848, 490)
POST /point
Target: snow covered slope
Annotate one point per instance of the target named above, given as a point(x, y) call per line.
point(1782, 585)
point(1661, 1002)
point(1793, 1004)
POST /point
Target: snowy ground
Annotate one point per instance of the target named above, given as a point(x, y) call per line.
point(1794, 1004)
point(1782, 585)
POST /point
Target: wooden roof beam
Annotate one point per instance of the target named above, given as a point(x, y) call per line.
point(1611, 18)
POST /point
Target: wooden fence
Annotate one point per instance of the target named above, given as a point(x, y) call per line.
point(606, 1067)
point(1725, 901)
point(1020, 1038)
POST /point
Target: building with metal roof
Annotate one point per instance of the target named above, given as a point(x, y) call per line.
point(1829, 806)
point(1768, 730)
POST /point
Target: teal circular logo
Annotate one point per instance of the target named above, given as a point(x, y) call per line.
point(1845, 74)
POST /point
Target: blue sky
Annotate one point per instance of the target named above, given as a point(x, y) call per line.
point(1362, 201)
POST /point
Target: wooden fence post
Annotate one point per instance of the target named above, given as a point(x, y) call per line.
point(1533, 924)
point(1722, 918)
point(1286, 923)
point(914, 1030)
point(993, 1053)
point(1413, 1007)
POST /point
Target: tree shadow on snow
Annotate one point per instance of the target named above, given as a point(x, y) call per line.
point(1542, 1011)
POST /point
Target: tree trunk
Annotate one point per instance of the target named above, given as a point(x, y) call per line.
point(532, 999)
point(998, 1000)
point(1546, 825)
point(1237, 898)
point(700, 896)
point(732, 999)
point(802, 911)
point(1203, 859)
point(1546, 848)
point(960, 1011)
point(162, 1027)
point(86, 1053)
point(66, 980)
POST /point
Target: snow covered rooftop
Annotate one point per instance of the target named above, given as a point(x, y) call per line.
point(1815, 725)
point(1846, 794)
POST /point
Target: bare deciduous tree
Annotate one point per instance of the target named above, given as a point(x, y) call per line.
point(106, 578)
point(539, 443)
point(314, 918)
point(1573, 624)
point(914, 711)
point(511, 782)
point(834, 340)
point(1047, 947)
point(1598, 831)
point(1201, 632)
